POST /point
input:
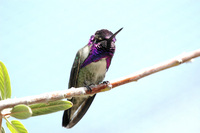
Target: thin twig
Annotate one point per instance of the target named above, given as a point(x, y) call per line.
point(183, 58)
point(77, 92)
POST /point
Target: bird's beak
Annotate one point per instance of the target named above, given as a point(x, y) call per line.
point(114, 34)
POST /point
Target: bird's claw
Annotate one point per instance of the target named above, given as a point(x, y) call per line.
point(89, 87)
point(106, 82)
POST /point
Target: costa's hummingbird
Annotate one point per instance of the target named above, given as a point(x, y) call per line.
point(90, 66)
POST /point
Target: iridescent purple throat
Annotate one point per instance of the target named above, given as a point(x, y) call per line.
point(96, 54)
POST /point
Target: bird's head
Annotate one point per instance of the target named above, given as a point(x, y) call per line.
point(104, 40)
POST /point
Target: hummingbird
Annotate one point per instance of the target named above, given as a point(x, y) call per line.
point(90, 66)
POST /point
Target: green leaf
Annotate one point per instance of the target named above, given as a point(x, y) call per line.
point(46, 108)
point(5, 87)
point(2, 130)
point(16, 127)
point(21, 111)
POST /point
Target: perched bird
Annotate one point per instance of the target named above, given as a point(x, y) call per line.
point(90, 66)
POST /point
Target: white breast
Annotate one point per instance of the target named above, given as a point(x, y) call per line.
point(93, 73)
point(98, 67)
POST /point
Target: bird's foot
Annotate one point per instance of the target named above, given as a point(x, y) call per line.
point(89, 87)
point(106, 82)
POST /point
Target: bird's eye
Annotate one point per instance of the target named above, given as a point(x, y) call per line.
point(98, 39)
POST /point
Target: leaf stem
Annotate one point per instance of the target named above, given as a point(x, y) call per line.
point(11, 124)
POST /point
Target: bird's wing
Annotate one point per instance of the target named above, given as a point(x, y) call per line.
point(80, 104)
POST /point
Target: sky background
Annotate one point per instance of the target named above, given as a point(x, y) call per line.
point(39, 40)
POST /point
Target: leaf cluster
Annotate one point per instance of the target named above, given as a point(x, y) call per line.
point(22, 111)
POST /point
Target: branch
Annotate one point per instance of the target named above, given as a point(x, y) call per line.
point(77, 92)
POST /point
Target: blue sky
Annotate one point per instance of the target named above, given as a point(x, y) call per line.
point(39, 40)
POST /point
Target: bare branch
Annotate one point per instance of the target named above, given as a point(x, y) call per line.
point(77, 92)
point(183, 58)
